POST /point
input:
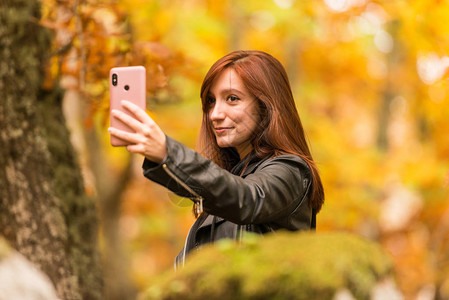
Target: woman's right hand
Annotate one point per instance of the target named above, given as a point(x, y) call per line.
point(148, 139)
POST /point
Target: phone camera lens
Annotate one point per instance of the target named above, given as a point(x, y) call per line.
point(114, 79)
point(126, 87)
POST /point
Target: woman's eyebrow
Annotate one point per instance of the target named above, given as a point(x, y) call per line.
point(230, 90)
point(225, 91)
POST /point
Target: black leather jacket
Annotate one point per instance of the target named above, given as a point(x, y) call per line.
point(271, 194)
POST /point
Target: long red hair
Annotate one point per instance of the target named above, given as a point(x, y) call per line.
point(280, 130)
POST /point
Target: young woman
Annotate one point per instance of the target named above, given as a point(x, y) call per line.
point(257, 173)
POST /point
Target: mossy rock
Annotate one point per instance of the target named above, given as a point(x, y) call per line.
point(284, 265)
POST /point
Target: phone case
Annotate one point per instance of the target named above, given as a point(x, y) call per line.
point(125, 83)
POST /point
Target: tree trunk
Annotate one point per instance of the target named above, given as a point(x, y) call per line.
point(44, 213)
point(389, 92)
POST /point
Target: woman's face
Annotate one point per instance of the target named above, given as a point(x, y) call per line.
point(233, 112)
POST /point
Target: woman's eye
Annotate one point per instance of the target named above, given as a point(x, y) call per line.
point(210, 100)
point(233, 98)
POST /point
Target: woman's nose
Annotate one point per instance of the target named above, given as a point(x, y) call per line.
point(217, 112)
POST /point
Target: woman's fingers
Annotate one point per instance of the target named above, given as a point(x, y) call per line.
point(126, 136)
point(136, 148)
point(127, 119)
point(136, 125)
point(147, 138)
point(140, 114)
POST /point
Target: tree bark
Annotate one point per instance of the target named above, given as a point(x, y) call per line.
point(44, 213)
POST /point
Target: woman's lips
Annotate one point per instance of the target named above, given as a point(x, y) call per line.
point(220, 130)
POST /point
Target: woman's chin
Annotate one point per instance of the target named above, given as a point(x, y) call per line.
point(224, 144)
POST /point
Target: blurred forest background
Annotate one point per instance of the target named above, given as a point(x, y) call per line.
point(370, 80)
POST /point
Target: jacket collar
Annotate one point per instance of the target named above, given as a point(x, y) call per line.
point(251, 161)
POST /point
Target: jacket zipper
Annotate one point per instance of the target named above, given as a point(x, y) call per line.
point(197, 199)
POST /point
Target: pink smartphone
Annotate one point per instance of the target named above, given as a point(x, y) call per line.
point(125, 83)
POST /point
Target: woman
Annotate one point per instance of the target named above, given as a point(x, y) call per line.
point(257, 174)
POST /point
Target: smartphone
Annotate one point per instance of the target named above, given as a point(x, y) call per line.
point(125, 83)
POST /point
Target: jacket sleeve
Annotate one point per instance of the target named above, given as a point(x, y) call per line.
point(275, 193)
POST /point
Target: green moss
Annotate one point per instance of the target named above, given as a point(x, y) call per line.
point(280, 266)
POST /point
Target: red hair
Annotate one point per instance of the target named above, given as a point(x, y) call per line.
point(280, 130)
